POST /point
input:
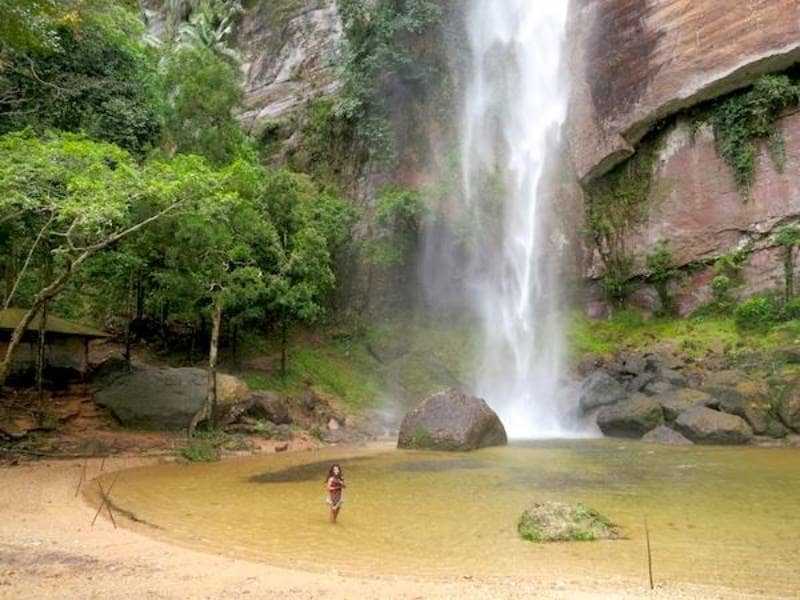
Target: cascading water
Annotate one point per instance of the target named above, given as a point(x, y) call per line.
point(514, 107)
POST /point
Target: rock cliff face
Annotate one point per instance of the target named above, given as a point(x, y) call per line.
point(288, 49)
point(639, 64)
point(638, 61)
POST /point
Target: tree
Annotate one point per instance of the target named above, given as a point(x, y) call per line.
point(202, 92)
point(83, 197)
point(660, 263)
point(788, 238)
point(205, 30)
point(94, 75)
point(309, 226)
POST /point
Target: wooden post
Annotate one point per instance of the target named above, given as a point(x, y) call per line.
point(649, 554)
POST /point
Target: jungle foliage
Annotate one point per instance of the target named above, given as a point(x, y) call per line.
point(131, 196)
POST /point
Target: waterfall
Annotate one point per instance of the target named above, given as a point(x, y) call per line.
point(514, 106)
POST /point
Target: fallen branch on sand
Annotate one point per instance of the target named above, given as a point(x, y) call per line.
point(106, 501)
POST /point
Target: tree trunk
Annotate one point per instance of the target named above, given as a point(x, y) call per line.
point(40, 352)
point(207, 410)
point(284, 342)
point(131, 301)
point(788, 268)
point(234, 344)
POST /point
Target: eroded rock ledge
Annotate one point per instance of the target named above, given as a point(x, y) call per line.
point(639, 62)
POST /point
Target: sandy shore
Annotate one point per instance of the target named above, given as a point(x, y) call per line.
point(48, 549)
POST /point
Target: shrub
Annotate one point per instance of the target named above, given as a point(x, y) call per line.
point(757, 313)
point(200, 451)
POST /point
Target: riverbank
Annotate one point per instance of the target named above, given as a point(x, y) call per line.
point(49, 549)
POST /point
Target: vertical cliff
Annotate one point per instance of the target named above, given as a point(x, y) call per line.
point(651, 79)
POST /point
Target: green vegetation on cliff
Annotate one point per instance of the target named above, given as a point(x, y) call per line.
point(616, 203)
point(378, 58)
point(743, 118)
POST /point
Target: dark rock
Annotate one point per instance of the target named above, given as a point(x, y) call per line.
point(663, 361)
point(634, 364)
point(680, 400)
point(270, 407)
point(776, 429)
point(657, 388)
point(630, 418)
point(664, 435)
point(729, 378)
point(789, 409)
point(706, 426)
point(763, 441)
point(673, 377)
point(451, 420)
point(600, 389)
point(639, 382)
point(112, 368)
point(749, 400)
point(163, 398)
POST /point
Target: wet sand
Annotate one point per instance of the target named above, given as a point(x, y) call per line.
point(48, 549)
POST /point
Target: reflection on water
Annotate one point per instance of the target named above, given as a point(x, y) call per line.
point(716, 515)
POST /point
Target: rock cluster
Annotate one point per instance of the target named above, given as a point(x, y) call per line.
point(162, 398)
point(660, 398)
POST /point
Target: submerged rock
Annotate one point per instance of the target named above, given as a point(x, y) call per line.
point(705, 426)
point(630, 418)
point(561, 522)
point(163, 398)
point(451, 420)
point(664, 435)
point(600, 389)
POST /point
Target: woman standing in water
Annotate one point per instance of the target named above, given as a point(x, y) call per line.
point(335, 484)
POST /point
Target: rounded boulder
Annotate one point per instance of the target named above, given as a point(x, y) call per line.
point(452, 420)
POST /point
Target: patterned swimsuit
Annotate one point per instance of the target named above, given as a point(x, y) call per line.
point(335, 495)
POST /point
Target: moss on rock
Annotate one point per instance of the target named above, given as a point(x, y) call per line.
point(561, 522)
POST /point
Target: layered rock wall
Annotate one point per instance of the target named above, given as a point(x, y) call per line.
point(638, 61)
point(638, 64)
point(289, 50)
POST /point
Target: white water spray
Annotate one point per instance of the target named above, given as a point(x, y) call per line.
point(515, 105)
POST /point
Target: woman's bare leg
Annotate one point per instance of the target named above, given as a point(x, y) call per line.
point(334, 514)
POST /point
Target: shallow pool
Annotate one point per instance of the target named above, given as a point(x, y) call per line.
point(716, 515)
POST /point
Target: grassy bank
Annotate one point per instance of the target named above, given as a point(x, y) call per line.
point(696, 337)
point(403, 360)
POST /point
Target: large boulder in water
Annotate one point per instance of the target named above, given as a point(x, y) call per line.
point(451, 420)
point(631, 418)
point(705, 426)
point(164, 398)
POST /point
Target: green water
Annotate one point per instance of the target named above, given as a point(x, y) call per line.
point(728, 516)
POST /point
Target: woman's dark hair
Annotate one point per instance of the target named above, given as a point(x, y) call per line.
point(331, 473)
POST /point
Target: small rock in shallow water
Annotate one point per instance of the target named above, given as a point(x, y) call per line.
point(561, 522)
